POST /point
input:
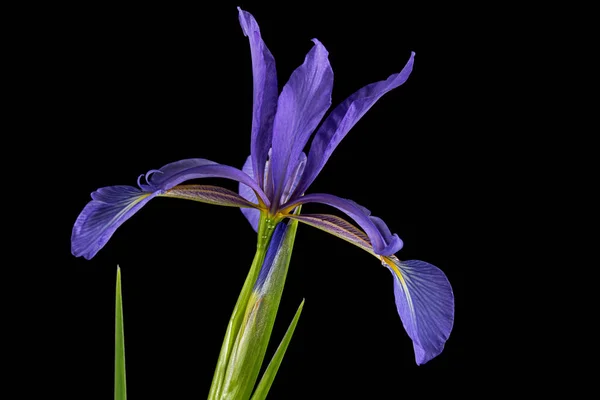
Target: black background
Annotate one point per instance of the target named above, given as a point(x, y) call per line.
point(123, 90)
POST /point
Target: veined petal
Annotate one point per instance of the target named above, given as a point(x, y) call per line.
point(113, 205)
point(338, 227)
point(251, 214)
point(264, 94)
point(343, 118)
point(425, 303)
point(424, 297)
point(381, 244)
point(209, 194)
point(303, 101)
point(110, 207)
point(174, 173)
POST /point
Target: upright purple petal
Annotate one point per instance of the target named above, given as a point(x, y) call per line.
point(100, 218)
point(342, 119)
point(265, 94)
point(425, 303)
point(251, 214)
point(383, 244)
point(294, 178)
point(303, 101)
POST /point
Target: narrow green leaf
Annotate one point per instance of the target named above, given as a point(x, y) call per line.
point(120, 387)
point(269, 375)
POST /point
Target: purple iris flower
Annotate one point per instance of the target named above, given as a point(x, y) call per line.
point(276, 175)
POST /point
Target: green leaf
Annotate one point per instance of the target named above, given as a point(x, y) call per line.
point(269, 375)
point(120, 387)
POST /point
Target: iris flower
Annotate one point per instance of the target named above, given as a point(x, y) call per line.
point(275, 177)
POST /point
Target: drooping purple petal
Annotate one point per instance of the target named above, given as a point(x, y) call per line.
point(173, 174)
point(425, 303)
point(303, 101)
point(265, 94)
point(338, 227)
point(251, 214)
point(381, 245)
point(113, 205)
point(100, 218)
point(208, 194)
point(343, 118)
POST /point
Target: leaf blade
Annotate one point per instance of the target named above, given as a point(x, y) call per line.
point(269, 375)
point(120, 384)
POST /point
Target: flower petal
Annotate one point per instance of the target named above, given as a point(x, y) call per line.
point(110, 207)
point(173, 174)
point(425, 303)
point(382, 245)
point(424, 297)
point(113, 205)
point(338, 227)
point(251, 214)
point(294, 178)
point(343, 118)
point(392, 240)
point(264, 96)
point(208, 194)
point(303, 101)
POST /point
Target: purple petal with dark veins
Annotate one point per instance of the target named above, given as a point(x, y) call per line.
point(303, 101)
point(251, 214)
point(425, 303)
point(381, 246)
point(343, 118)
point(100, 218)
point(265, 94)
point(337, 227)
point(113, 205)
point(208, 194)
point(173, 174)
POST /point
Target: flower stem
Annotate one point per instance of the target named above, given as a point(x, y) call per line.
point(266, 227)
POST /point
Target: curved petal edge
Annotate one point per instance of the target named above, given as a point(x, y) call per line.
point(425, 303)
point(100, 218)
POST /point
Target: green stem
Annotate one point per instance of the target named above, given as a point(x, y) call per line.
point(266, 227)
